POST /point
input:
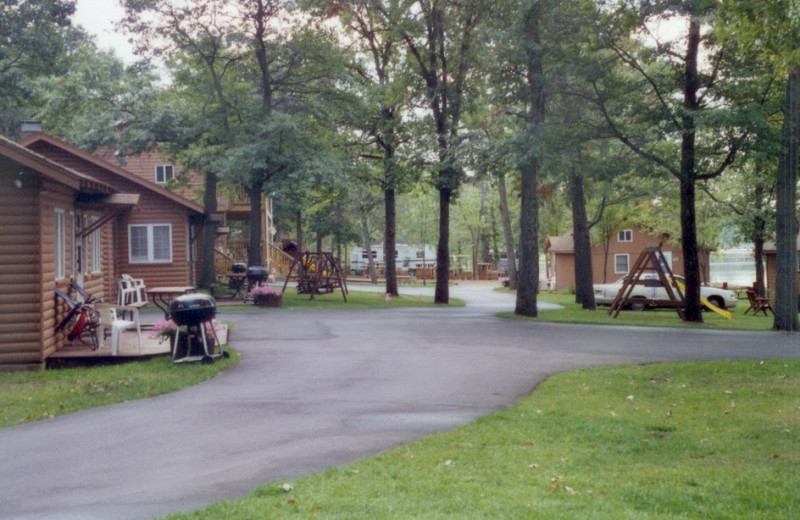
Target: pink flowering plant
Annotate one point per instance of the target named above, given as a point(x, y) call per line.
point(262, 290)
point(163, 329)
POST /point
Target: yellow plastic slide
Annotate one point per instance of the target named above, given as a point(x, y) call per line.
point(722, 312)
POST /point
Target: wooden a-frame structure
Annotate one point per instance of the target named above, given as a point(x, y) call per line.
point(318, 273)
point(651, 259)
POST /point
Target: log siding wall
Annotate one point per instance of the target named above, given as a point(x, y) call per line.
point(21, 329)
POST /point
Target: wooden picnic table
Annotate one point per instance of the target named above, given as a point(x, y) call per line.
point(162, 296)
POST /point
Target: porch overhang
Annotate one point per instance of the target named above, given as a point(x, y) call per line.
point(111, 206)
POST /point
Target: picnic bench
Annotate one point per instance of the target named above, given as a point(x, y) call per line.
point(758, 303)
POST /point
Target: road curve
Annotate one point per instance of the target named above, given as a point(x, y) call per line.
point(316, 389)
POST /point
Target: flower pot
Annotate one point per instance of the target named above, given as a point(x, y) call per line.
point(268, 300)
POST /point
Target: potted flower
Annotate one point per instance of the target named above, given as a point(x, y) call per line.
point(265, 296)
point(164, 330)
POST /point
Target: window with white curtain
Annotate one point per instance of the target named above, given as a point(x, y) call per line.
point(150, 243)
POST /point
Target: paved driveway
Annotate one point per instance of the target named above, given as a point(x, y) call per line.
point(316, 389)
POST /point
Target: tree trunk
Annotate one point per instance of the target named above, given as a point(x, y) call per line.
point(528, 283)
point(758, 255)
point(207, 274)
point(606, 250)
point(442, 291)
point(786, 208)
point(691, 262)
point(254, 245)
point(505, 215)
point(584, 292)
point(299, 230)
point(390, 240)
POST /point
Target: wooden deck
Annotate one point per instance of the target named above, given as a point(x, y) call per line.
point(128, 346)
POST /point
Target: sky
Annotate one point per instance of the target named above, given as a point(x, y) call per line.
point(98, 17)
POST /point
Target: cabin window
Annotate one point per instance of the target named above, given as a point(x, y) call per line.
point(61, 243)
point(621, 263)
point(164, 173)
point(150, 243)
point(97, 255)
point(626, 235)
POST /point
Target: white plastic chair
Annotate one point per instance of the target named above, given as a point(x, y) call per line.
point(132, 290)
point(126, 292)
point(110, 320)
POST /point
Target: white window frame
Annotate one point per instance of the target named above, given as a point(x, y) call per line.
point(625, 235)
point(97, 251)
point(61, 243)
point(627, 263)
point(151, 259)
point(167, 173)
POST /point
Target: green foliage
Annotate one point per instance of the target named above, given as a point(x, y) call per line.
point(34, 42)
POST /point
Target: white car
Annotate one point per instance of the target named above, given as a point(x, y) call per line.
point(650, 288)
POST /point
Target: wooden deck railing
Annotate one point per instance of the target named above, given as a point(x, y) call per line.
point(281, 262)
point(222, 262)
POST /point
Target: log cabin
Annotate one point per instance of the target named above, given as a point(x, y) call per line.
point(67, 217)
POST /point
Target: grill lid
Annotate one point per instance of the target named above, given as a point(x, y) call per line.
point(191, 309)
point(255, 271)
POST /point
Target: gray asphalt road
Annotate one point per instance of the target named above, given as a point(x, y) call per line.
point(316, 389)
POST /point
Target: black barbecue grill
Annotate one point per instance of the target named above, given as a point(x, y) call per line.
point(256, 275)
point(194, 311)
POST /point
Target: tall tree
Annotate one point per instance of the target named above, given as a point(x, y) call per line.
point(195, 32)
point(293, 68)
point(383, 84)
point(666, 73)
point(770, 30)
point(531, 38)
point(441, 39)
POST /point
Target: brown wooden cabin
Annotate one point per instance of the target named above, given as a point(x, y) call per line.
point(67, 216)
point(39, 202)
point(159, 241)
point(612, 260)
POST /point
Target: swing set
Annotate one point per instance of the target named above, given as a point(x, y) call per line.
point(317, 273)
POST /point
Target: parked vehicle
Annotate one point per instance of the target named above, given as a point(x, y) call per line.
point(649, 288)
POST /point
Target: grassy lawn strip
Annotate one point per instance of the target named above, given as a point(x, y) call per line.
point(666, 441)
point(355, 300)
point(572, 313)
point(32, 396)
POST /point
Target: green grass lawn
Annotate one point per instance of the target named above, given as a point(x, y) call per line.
point(32, 396)
point(705, 440)
point(572, 313)
point(355, 300)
